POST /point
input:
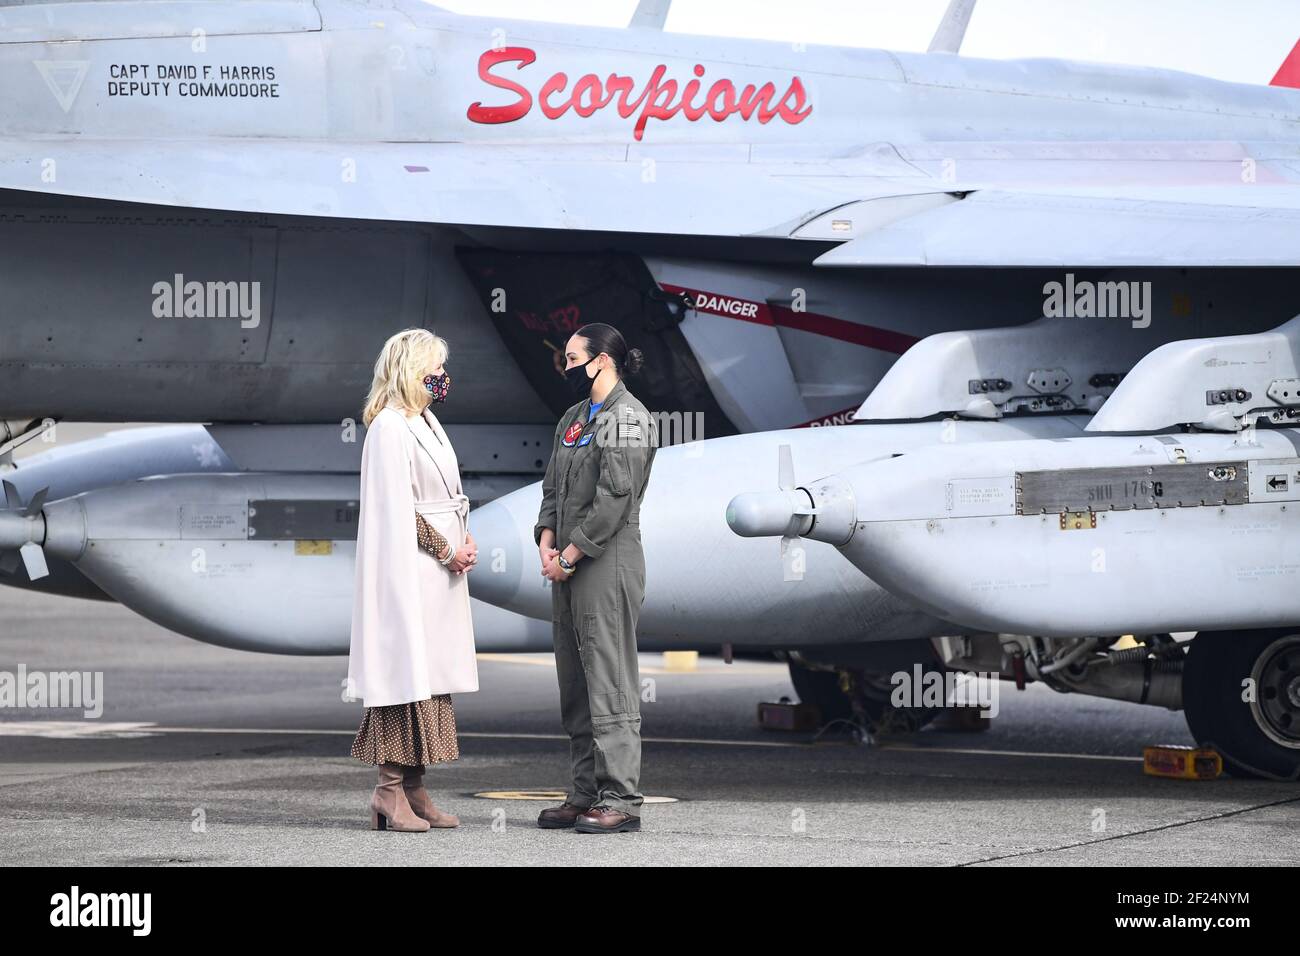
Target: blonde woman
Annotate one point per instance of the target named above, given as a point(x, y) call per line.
point(412, 638)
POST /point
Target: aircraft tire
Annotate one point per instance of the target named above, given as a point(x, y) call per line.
point(1257, 737)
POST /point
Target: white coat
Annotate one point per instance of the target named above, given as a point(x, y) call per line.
point(412, 636)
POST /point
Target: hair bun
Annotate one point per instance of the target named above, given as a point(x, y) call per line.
point(634, 361)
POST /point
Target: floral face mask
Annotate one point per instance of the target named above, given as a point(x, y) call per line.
point(437, 387)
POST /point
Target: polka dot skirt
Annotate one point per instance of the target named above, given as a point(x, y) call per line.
point(414, 734)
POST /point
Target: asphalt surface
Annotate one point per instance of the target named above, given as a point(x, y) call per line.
point(210, 756)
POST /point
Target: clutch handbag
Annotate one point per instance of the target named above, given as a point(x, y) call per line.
point(447, 516)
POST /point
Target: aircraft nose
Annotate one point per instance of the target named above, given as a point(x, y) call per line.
point(508, 573)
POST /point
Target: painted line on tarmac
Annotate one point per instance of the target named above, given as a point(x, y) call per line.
point(712, 667)
point(69, 730)
point(1008, 753)
point(1146, 831)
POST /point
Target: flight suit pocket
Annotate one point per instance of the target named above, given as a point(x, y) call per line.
point(618, 474)
point(603, 666)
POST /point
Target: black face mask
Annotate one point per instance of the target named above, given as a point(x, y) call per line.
point(577, 380)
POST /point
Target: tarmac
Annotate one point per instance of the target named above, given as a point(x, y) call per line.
point(204, 755)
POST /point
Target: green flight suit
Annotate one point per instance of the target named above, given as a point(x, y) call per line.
point(591, 497)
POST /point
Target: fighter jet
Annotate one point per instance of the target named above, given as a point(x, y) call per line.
point(215, 212)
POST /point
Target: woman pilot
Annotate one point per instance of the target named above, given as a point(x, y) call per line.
point(589, 541)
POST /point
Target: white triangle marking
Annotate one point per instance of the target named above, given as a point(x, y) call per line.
point(64, 78)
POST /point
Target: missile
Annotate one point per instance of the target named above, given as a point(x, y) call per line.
point(705, 585)
point(1078, 537)
point(251, 561)
point(1086, 536)
point(65, 470)
point(21, 531)
point(209, 555)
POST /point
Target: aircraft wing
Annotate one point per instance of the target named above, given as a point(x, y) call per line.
point(613, 188)
point(886, 207)
point(423, 116)
point(1214, 226)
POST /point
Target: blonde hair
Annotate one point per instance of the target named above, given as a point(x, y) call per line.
point(400, 370)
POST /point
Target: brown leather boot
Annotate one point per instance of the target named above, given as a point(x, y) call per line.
point(561, 817)
point(418, 798)
point(389, 809)
point(601, 819)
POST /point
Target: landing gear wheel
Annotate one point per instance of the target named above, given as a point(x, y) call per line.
point(882, 717)
point(1258, 736)
point(821, 689)
point(833, 695)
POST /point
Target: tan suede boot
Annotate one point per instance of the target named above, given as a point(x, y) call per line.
point(389, 809)
point(418, 798)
